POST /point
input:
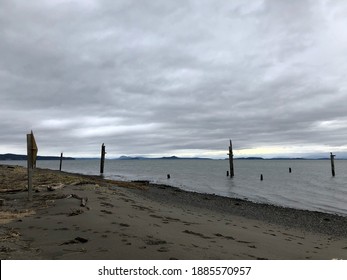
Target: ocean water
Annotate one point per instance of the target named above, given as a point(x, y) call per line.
point(310, 186)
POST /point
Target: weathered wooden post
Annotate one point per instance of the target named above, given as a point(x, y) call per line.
point(261, 177)
point(231, 162)
point(102, 161)
point(332, 164)
point(290, 170)
point(61, 161)
point(31, 161)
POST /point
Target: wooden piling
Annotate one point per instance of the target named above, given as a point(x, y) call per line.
point(231, 161)
point(31, 162)
point(290, 170)
point(61, 161)
point(261, 177)
point(227, 173)
point(168, 176)
point(30, 167)
point(102, 161)
point(332, 164)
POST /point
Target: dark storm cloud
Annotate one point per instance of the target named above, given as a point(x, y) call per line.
point(173, 77)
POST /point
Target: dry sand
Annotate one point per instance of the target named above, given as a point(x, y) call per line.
point(124, 220)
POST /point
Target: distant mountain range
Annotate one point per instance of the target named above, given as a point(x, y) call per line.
point(145, 158)
point(278, 158)
point(24, 157)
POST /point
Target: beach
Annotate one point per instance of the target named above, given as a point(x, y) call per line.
point(74, 216)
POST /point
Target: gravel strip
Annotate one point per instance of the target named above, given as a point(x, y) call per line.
point(311, 221)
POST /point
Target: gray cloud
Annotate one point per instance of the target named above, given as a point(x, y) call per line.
point(173, 77)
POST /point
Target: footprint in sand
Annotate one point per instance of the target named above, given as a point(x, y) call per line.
point(106, 211)
point(223, 236)
point(272, 234)
point(152, 241)
point(197, 234)
point(76, 240)
point(163, 250)
point(121, 224)
point(106, 204)
point(124, 225)
point(156, 225)
point(242, 241)
point(127, 200)
point(101, 250)
point(63, 228)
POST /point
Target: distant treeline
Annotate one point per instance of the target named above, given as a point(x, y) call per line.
point(24, 157)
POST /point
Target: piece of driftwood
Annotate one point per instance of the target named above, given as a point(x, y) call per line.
point(55, 187)
point(83, 200)
point(13, 190)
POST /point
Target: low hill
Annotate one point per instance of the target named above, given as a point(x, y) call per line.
point(24, 157)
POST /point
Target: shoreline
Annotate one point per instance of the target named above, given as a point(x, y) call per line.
point(324, 203)
point(148, 183)
point(140, 220)
point(321, 222)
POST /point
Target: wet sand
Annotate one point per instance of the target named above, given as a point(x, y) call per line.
point(124, 220)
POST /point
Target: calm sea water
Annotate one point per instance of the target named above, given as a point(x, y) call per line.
point(310, 186)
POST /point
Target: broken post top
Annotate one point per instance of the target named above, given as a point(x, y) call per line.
point(103, 149)
point(31, 150)
point(230, 148)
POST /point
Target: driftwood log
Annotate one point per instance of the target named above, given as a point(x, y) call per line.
point(55, 187)
point(83, 200)
point(13, 190)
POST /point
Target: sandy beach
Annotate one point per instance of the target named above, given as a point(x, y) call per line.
point(75, 216)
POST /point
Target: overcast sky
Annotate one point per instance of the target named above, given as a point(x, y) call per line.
point(177, 77)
